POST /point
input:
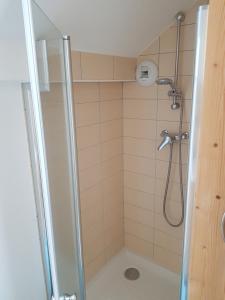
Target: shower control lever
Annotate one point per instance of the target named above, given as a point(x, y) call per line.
point(170, 139)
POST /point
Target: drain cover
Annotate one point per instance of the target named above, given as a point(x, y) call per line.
point(132, 274)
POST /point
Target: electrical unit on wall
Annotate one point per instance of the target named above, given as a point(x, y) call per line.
point(146, 73)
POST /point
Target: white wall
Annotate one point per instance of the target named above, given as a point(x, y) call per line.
point(13, 59)
point(21, 272)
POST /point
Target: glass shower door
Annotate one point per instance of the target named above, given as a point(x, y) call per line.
point(51, 112)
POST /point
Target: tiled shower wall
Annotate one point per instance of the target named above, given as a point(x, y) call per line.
point(122, 175)
point(98, 108)
point(146, 112)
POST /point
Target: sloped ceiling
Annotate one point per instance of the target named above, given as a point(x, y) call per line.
point(118, 27)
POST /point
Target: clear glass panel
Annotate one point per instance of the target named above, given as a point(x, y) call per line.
point(52, 83)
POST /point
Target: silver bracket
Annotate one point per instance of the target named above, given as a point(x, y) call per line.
point(68, 297)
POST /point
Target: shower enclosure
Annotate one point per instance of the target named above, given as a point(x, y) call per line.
point(110, 139)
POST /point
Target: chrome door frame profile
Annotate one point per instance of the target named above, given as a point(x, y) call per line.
point(202, 26)
point(73, 156)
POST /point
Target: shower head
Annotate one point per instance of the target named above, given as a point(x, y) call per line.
point(165, 81)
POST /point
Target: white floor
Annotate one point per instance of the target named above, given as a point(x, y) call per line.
point(154, 283)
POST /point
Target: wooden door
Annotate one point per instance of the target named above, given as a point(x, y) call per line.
point(207, 260)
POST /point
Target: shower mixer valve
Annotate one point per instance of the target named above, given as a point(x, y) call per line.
point(169, 139)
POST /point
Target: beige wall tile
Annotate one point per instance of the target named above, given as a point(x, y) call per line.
point(111, 110)
point(112, 166)
point(140, 147)
point(76, 65)
point(93, 232)
point(139, 230)
point(166, 64)
point(187, 38)
point(111, 184)
point(167, 259)
point(140, 165)
point(132, 90)
point(111, 91)
point(139, 246)
point(139, 215)
point(88, 136)
point(114, 234)
point(111, 130)
point(90, 177)
point(124, 68)
point(89, 157)
point(96, 66)
point(92, 216)
point(173, 208)
point(168, 242)
point(87, 114)
point(162, 167)
point(168, 40)
point(173, 190)
point(139, 109)
point(111, 219)
point(161, 225)
point(139, 182)
point(145, 129)
point(139, 198)
point(114, 199)
point(90, 197)
point(86, 92)
point(90, 252)
point(111, 148)
point(186, 63)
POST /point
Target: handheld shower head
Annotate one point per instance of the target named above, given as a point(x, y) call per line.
point(165, 81)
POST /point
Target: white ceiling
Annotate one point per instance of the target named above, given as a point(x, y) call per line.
point(119, 27)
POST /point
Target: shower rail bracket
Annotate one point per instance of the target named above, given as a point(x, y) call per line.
point(68, 297)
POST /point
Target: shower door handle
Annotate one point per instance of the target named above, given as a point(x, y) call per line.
point(223, 227)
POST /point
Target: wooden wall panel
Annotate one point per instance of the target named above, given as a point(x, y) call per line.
point(207, 263)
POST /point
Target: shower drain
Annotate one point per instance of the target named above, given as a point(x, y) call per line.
point(132, 274)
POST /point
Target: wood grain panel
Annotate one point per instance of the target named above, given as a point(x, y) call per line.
point(207, 263)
